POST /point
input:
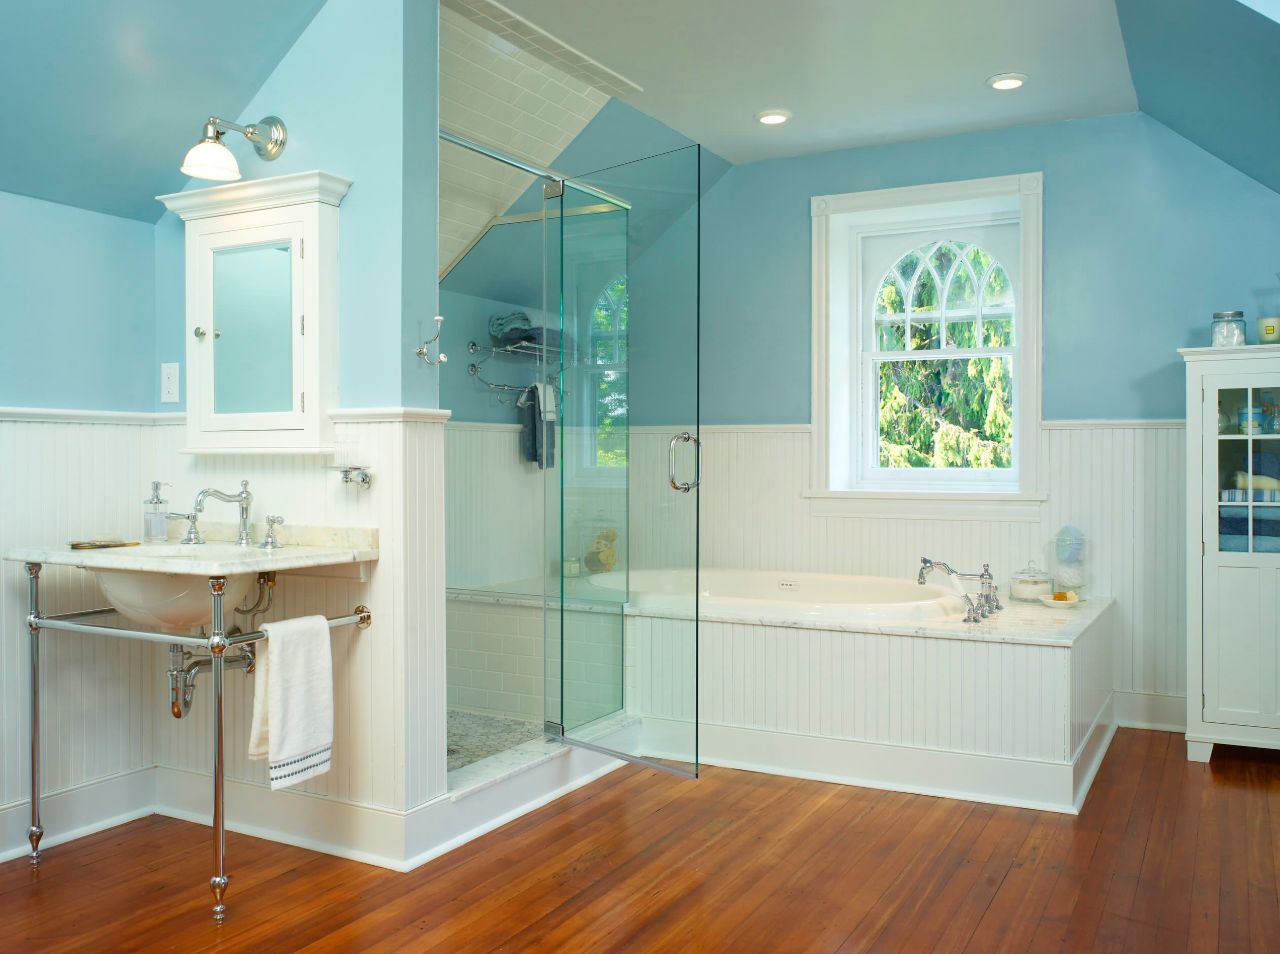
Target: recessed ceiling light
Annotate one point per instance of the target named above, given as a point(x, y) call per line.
point(1004, 81)
point(773, 117)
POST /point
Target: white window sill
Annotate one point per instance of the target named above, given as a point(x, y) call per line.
point(927, 505)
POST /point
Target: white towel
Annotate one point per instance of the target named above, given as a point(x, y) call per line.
point(546, 401)
point(292, 724)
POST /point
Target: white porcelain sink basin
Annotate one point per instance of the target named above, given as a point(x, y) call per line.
point(174, 602)
point(166, 585)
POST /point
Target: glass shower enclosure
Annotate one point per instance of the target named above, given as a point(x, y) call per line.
point(619, 456)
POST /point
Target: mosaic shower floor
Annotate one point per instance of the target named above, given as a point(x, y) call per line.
point(473, 736)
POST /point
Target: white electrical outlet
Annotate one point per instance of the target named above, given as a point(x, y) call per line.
point(169, 383)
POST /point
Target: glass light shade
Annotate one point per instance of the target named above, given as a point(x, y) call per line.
point(211, 160)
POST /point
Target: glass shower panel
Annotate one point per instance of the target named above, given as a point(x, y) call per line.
point(631, 462)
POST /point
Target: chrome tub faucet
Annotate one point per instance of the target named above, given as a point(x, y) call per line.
point(988, 599)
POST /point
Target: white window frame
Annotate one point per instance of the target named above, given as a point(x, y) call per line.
point(840, 397)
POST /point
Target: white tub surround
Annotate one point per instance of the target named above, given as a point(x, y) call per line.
point(769, 596)
point(1016, 710)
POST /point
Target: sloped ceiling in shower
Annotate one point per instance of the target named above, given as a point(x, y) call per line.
point(495, 92)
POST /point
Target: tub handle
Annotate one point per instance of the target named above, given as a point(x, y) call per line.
point(684, 437)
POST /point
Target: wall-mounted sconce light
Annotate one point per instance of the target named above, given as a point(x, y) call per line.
point(210, 159)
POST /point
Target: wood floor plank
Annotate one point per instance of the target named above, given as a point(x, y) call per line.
point(1166, 856)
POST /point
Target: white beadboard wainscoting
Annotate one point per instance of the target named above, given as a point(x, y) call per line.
point(1120, 482)
point(1021, 722)
point(66, 481)
point(105, 701)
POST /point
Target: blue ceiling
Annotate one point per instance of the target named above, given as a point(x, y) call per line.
point(101, 98)
point(1210, 71)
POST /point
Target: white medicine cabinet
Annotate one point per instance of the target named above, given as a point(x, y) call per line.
point(261, 313)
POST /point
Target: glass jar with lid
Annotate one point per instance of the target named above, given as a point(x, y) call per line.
point(1228, 329)
point(1030, 583)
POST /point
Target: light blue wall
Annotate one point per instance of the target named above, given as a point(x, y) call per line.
point(420, 218)
point(342, 91)
point(634, 156)
point(466, 397)
point(1145, 235)
point(1209, 70)
point(76, 308)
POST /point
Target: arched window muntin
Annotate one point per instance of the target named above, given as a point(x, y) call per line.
point(945, 296)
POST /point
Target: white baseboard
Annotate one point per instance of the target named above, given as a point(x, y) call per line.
point(1093, 750)
point(363, 833)
point(388, 838)
point(1021, 783)
point(439, 826)
point(76, 812)
point(1147, 710)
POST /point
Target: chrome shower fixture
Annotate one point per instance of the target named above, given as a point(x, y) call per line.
point(211, 159)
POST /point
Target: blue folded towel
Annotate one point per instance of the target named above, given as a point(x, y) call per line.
point(502, 325)
point(1237, 543)
point(1261, 496)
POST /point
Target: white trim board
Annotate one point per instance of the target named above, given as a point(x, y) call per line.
point(54, 415)
point(78, 811)
point(1020, 783)
point(1150, 710)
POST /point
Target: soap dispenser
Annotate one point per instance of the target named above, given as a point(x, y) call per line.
point(155, 514)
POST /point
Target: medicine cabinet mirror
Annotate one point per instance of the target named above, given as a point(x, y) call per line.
point(261, 313)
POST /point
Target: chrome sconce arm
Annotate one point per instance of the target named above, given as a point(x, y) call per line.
point(209, 158)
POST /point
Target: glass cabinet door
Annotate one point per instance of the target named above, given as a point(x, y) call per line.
point(1244, 516)
point(1240, 523)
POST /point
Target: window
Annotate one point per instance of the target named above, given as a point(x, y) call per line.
point(926, 336)
point(942, 358)
point(606, 377)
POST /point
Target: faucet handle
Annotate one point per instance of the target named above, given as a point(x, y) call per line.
point(271, 542)
point(193, 529)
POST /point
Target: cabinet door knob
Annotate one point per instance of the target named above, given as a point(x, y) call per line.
point(201, 333)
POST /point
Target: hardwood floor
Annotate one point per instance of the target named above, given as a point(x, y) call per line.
point(1167, 856)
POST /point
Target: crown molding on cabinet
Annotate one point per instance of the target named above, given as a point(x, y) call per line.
point(257, 194)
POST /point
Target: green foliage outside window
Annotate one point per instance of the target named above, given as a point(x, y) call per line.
point(608, 380)
point(938, 410)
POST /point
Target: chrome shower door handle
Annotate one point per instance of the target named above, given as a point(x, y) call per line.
point(684, 437)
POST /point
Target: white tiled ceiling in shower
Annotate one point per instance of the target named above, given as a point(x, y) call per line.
point(496, 92)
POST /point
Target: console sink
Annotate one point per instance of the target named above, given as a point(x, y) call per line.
point(166, 585)
point(169, 601)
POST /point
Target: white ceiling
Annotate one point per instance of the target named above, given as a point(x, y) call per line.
point(852, 72)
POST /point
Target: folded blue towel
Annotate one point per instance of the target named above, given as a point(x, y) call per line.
point(1269, 515)
point(1236, 543)
point(502, 325)
point(1240, 496)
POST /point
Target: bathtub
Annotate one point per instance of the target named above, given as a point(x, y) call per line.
point(772, 596)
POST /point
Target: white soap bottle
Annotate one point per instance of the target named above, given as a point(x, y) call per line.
point(155, 514)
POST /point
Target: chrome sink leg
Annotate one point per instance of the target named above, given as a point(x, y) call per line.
point(217, 648)
point(35, 832)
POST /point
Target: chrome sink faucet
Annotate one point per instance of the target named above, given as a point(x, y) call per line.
point(988, 600)
point(244, 499)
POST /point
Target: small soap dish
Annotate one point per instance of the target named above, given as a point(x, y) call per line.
point(1062, 604)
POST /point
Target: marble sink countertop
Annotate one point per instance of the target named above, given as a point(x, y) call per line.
point(314, 547)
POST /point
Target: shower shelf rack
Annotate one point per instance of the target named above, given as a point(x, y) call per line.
point(518, 349)
point(526, 348)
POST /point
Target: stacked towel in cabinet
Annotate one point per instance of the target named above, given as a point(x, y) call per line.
point(1233, 528)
